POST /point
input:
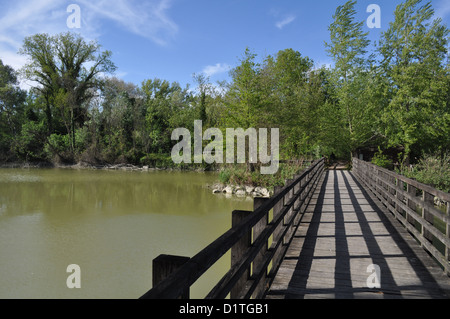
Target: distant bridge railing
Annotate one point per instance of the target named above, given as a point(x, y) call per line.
point(413, 204)
point(258, 241)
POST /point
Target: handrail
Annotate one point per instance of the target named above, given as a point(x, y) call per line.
point(412, 203)
point(287, 203)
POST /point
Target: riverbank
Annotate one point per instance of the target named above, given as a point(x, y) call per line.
point(232, 180)
point(83, 165)
point(240, 191)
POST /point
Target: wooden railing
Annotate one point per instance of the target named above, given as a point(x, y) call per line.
point(258, 241)
point(413, 204)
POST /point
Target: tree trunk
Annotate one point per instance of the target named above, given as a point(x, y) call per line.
point(48, 113)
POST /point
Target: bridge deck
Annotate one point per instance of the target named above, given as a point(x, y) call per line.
point(342, 233)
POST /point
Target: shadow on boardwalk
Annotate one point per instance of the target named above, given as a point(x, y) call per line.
point(340, 236)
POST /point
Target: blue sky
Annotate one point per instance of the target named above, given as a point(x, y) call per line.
point(173, 39)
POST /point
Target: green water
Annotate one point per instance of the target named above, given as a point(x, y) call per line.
point(110, 223)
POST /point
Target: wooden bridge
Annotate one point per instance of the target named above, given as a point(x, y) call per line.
point(335, 234)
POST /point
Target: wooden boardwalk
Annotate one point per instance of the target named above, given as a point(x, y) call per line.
point(342, 233)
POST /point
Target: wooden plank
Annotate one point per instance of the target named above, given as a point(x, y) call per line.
point(326, 240)
point(238, 250)
point(447, 251)
point(427, 198)
point(278, 231)
point(259, 259)
point(411, 204)
point(164, 265)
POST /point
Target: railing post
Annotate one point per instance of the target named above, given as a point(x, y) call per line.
point(164, 266)
point(427, 198)
point(300, 201)
point(279, 230)
point(447, 250)
point(399, 197)
point(412, 192)
point(393, 191)
point(289, 215)
point(238, 250)
point(259, 259)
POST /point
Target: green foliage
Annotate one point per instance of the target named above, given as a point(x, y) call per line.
point(68, 70)
point(350, 108)
point(225, 175)
point(433, 170)
point(414, 52)
point(11, 108)
point(382, 160)
point(157, 160)
point(28, 145)
point(82, 139)
point(57, 146)
point(240, 175)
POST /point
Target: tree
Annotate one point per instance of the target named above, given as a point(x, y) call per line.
point(203, 87)
point(243, 95)
point(291, 100)
point(414, 61)
point(167, 108)
point(12, 99)
point(68, 72)
point(348, 48)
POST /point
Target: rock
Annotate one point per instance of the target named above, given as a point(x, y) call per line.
point(228, 190)
point(265, 192)
point(240, 192)
point(218, 187)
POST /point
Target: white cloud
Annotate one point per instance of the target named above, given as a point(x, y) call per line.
point(147, 19)
point(211, 70)
point(285, 21)
point(22, 18)
point(442, 9)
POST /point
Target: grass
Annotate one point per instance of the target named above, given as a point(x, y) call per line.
point(432, 170)
point(240, 175)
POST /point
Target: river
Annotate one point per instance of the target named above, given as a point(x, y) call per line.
point(112, 224)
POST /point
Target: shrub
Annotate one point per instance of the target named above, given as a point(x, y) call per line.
point(240, 175)
point(82, 139)
point(57, 144)
point(432, 170)
point(382, 160)
point(224, 175)
point(28, 145)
